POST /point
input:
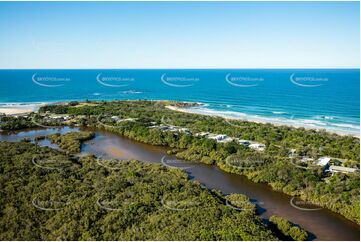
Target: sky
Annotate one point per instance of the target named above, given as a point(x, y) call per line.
point(86, 35)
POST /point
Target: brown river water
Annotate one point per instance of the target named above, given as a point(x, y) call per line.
point(322, 224)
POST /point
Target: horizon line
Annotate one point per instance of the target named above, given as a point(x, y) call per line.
point(193, 68)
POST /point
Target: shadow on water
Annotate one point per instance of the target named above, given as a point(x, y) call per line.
point(260, 210)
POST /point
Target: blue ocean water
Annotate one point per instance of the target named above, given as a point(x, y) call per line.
point(313, 98)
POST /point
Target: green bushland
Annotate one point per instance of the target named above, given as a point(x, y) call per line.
point(278, 139)
point(82, 200)
point(287, 229)
point(339, 192)
point(241, 202)
point(71, 141)
point(15, 123)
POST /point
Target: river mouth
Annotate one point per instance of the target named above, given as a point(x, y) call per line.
point(322, 224)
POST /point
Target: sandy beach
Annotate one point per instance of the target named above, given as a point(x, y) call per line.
point(290, 123)
point(16, 109)
point(13, 111)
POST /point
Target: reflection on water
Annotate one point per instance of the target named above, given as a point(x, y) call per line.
point(32, 133)
point(47, 142)
point(322, 224)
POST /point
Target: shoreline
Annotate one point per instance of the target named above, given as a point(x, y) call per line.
point(23, 108)
point(19, 108)
point(185, 104)
point(247, 118)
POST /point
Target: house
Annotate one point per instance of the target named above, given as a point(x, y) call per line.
point(184, 130)
point(165, 128)
point(342, 169)
point(202, 134)
point(244, 142)
point(226, 140)
point(56, 118)
point(323, 161)
point(115, 118)
point(169, 128)
point(172, 128)
point(257, 146)
point(218, 137)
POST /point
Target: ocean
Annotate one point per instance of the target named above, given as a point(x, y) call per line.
point(312, 98)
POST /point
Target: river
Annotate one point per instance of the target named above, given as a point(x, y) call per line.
point(322, 224)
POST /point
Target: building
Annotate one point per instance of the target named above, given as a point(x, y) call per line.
point(257, 146)
point(244, 142)
point(56, 118)
point(184, 130)
point(169, 128)
point(202, 134)
point(226, 140)
point(342, 169)
point(218, 137)
point(115, 118)
point(323, 161)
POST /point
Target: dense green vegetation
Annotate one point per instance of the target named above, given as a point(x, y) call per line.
point(240, 201)
point(278, 139)
point(71, 141)
point(285, 227)
point(338, 192)
point(282, 227)
point(15, 123)
point(46, 194)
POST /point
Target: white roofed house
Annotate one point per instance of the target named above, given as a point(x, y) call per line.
point(244, 142)
point(202, 134)
point(342, 169)
point(218, 137)
point(165, 128)
point(257, 146)
point(184, 130)
point(226, 140)
point(115, 118)
point(58, 118)
point(168, 128)
point(323, 161)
